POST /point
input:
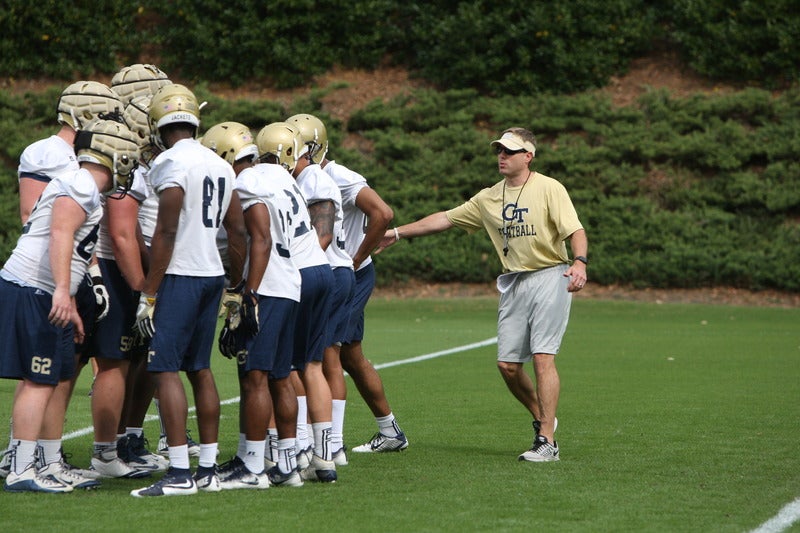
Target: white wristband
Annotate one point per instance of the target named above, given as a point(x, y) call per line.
point(396, 235)
point(94, 271)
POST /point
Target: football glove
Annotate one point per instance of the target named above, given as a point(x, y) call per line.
point(232, 342)
point(100, 292)
point(231, 303)
point(249, 313)
point(144, 315)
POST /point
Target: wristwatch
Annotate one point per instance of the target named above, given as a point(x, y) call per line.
point(580, 258)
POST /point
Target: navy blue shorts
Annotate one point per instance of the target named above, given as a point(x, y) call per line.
point(113, 338)
point(33, 348)
point(365, 282)
point(313, 315)
point(342, 300)
point(185, 321)
point(271, 350)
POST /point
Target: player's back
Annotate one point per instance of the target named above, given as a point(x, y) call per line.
point(263, 184)
point(207, 182)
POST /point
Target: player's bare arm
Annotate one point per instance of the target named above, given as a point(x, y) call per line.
point(163, 243)
point(257, 220)
point(323, 215)
point(68, 216)
point(123, 226)
point(237, 237)
point(379, 216)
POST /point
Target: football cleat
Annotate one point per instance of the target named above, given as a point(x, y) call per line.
point(381, 443)
point(303, 458)
point(174, 483)
point(5, 464)
point(541, 452)
point(241, 478)
point(132, 449)
point(207, 479)
point(32, 481)
point(340, 457)
point(115, 468)
point(227, 468)
point(279, 479)
point(194, 448)
point(320, 470)
point(61, 472)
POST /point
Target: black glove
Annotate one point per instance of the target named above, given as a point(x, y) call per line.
point(249, 313)
point(233, 342)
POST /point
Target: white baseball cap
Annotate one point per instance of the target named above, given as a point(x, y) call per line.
point(512, 141)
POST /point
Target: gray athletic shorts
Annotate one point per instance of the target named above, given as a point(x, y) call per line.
point(533, 314)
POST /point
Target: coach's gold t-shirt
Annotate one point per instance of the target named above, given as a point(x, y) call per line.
point(536, 218)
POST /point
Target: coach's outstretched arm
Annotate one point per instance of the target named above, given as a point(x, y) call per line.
point(435, 223)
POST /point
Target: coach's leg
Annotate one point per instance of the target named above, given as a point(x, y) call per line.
point(521, 386)
point(548, 386)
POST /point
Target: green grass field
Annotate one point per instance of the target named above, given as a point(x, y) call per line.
point(672, 418)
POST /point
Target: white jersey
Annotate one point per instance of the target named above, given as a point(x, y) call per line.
point(46, 159)
point(148, 207)
point(354, 220)
point(207, 181)
point(303, 242)
point(258, 185)
point(29, 263)
point(318, 186)
point(138, 191)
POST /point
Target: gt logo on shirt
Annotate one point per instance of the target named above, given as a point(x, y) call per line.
point(41, 365)
point(513, 214)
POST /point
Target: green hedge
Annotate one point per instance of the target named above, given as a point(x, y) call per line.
point(515, 47)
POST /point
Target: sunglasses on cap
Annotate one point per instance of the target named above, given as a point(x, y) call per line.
point(499, 149)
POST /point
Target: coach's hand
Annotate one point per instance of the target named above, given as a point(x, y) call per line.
point(100, 293)
point(144, 315)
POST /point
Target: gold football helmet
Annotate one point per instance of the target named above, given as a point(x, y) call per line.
point(138, 80)
point(231, 141)
point(84, 101)
point(282, 142)
point(136, 118)
point(113, 145)
point(172, 104)
point(315, 136)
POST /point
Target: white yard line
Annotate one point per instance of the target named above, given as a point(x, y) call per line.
point(786, 517)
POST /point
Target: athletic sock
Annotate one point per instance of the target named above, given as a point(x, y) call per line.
point(337, 428)
point(51, 451)
point(387, 425)
point(322, 440)
point(254, 455)
point(208, 455)
point(287, 460)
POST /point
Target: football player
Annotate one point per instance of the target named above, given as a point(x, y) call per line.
point(268, 196)
point(79, 103)
point(282, 143)
point(181, 293)
point(366, 217)
point(39, 317)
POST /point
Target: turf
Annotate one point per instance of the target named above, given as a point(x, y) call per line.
point(672, 418)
